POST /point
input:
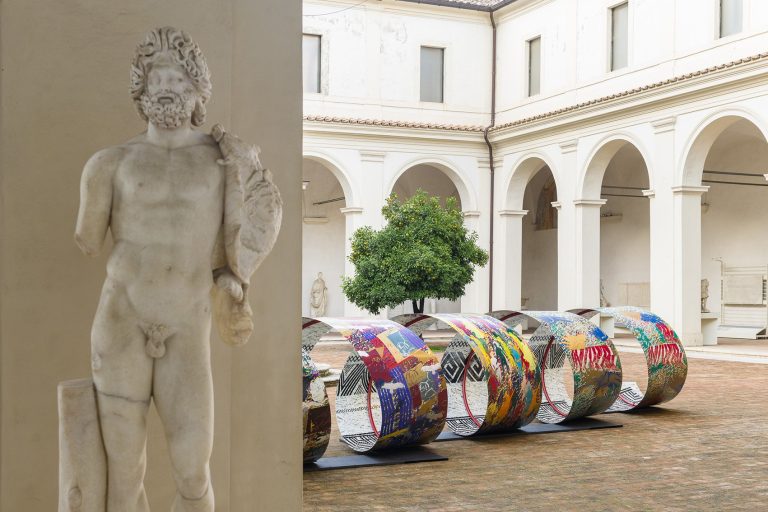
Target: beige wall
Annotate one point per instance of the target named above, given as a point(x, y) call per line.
point(64, 95)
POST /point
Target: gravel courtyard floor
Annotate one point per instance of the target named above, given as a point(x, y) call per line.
point(705, 450)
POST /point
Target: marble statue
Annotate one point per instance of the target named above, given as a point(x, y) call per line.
point(603, 300)
point(191, 215)
point(704, 295)
point(318, 297)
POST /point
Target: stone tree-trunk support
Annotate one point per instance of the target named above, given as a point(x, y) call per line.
point(82, 461)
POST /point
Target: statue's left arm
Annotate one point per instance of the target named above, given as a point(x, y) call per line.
point(252, 217)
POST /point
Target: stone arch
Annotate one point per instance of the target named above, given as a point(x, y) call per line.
point(591, 178)
point(523, 171)
point(467, 194)
point(338, 171)
point(705, 135)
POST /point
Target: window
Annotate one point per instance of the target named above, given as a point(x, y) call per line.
point(534, 66)
point(432, 74)
point(619, 36)
point(311, 62)
point(730, 17)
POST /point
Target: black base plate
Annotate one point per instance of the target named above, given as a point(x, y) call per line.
point(536, 428)
point(403, 456)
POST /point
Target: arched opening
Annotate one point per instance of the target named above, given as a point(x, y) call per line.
point(436, 181)
point(429, 178)
point(323, 240)
point(538, 281)
point(625, 235)
point(734, 248)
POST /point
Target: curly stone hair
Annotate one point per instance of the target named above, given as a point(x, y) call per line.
point(170, 42)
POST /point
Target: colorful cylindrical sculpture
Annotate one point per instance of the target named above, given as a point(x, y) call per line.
point(391, 391)
point(493, 378)
point(314, 403)
point(594, 364)
point(664, 356)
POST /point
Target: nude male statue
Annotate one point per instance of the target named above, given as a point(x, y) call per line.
point(164, 195)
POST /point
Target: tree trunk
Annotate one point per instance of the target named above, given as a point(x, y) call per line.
point(418, 307)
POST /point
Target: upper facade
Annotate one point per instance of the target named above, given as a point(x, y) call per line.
point(427, 62)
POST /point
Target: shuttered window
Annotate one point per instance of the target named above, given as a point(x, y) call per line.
point(534, 66)
point(311, 62)
point(432, 74)
point(731, 17)
point(620, 36)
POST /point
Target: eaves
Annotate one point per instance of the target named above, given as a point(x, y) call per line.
point(653, 97)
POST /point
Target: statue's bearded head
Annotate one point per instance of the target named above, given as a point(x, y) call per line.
point(170, 81)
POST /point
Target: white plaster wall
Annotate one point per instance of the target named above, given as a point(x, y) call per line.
point(371, 59)
point(666, 39)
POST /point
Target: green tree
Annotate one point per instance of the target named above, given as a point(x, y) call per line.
point(423, 252)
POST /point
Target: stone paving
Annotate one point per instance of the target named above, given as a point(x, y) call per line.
point(705, 450)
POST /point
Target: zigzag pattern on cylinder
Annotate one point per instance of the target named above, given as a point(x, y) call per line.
point(594, 363)
point(493, 379)
point(664, 355)
point(391, 390)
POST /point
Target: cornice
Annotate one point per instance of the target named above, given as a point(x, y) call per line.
point(590, 202)
point(513, 213)
point(690, 190)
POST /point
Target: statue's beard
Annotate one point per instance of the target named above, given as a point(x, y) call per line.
point(168, 115)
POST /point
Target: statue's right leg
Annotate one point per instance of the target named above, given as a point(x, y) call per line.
point(122, 374)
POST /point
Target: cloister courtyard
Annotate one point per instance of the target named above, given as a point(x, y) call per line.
point(704, 450)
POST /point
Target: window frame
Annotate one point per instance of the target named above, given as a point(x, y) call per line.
point(719, 20)
point(528, 93)
point(610, 38)
point(444, 50)
point(320, 52)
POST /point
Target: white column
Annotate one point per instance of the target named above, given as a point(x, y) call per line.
point(353, 217)
point(566, 232)
point(372, 193)
point(587, 253)
point(508, 269)
point(661, 207)
point(687, 263)
point(474, 300)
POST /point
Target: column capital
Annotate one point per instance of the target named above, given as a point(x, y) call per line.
point(513, 213)
point(590, 202)
point(471, 214)
point(569, 146)
point(484, 162)
point(666, 124)
point(351, 210)
point(372, 156)
point(649, 193)
point(690, 189)
point(557, 205)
